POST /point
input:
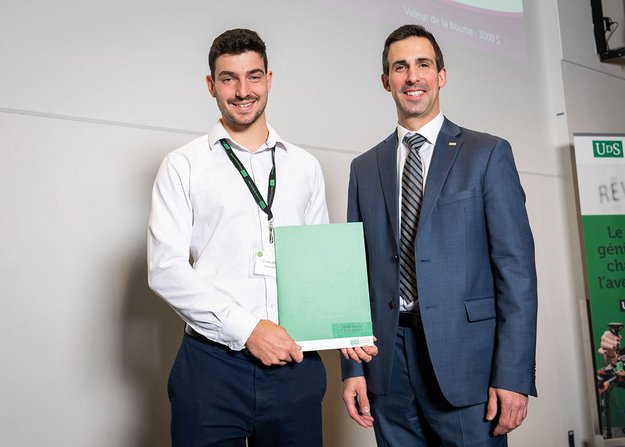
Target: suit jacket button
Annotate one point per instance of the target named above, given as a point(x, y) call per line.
point(395, 258)
point(392, 304)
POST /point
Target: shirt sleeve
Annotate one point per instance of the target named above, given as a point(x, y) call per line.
point(210, 311)
point(317, 210)
point(512, 258)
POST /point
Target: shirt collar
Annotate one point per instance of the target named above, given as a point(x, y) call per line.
point(430, 130)
point(219, 131)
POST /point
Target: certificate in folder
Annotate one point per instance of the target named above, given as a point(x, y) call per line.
point(323, 292)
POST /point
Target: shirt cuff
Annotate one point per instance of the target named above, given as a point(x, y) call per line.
point(237, 328)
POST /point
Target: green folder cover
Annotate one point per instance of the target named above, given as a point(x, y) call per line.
point(323, 292)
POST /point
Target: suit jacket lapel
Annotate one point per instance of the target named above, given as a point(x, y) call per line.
point(448, 144)
point(387, 165)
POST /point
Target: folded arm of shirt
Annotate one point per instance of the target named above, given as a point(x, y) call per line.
point(210, 311)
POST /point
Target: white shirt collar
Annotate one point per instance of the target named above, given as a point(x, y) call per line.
point(219, 132)
point(430, 130)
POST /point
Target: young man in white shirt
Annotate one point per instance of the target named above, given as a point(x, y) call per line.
point(238, 377)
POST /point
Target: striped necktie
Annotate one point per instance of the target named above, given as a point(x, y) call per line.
point(411, 196)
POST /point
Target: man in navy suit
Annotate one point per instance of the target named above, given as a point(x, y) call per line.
point(456, 359)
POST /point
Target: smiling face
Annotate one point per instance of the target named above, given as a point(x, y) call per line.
point(241, 87)
point(414, 81)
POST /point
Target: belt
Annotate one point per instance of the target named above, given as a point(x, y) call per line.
point(410, 320)
point(195, 334)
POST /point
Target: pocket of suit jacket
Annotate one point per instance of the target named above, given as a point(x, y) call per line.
point(481, 309)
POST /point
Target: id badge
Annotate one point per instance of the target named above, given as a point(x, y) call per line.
point(264, 262)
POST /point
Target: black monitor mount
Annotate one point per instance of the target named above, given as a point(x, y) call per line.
point(602, 25)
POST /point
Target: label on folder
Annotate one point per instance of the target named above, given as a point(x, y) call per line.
point(323, 291)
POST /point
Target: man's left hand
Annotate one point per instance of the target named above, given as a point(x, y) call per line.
point(509, 406)
point(361, 354)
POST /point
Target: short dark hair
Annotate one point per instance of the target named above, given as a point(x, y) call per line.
point(406, 31)
point(236, 41)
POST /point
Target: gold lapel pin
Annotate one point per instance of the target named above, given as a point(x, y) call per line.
point(452, 143)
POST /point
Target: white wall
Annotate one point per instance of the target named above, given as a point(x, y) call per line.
point(93, 94)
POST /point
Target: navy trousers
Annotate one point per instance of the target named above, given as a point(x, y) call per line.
point(415, 413)
point(226, 398)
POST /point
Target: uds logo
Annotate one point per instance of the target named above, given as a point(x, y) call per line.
point(607, 149)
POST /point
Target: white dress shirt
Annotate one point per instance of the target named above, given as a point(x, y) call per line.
point(430, 131)
point(205, 228)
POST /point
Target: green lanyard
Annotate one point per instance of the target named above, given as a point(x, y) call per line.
point(271, 190)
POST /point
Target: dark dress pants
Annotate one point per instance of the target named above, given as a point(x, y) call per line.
point(221, 397)
point(415, 412)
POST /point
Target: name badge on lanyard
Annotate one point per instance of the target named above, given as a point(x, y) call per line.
point(264, 262)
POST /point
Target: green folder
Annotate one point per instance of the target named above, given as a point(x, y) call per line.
point(323, 292)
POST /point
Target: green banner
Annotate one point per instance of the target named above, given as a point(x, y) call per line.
point(601, 190)
point(604, 244)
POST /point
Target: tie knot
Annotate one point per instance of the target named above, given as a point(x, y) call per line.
point(414, 141)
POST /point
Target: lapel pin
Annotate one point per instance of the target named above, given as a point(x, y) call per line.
point(452, 143)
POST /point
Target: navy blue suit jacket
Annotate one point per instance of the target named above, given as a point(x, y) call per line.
point(475, 266)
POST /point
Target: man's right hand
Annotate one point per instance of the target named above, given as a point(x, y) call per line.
point(609, 341)
point(608, 345)
point(356, 401)
point(272, 345)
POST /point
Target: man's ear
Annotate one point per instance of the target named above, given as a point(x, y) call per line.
point(442, 77)
point(385, 84)
point(210, 83)
point(269, 77)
